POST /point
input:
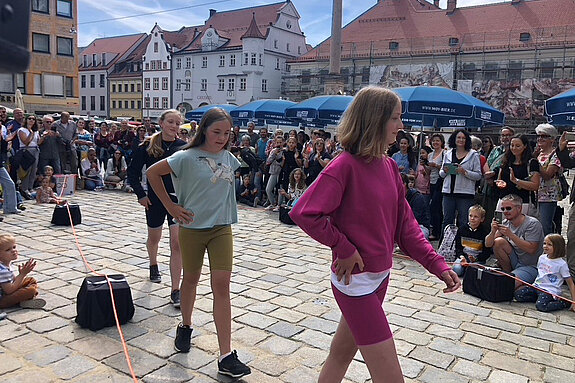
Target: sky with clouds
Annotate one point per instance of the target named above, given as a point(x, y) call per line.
point(95, 16)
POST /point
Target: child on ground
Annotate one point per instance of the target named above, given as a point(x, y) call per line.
point(49, 172)
point(333, 211)
point(45, 194)
point(552, 271)
point(21, 289)
point(203, 176)
point(247, 193)
point(296, 186)
point(470, 241)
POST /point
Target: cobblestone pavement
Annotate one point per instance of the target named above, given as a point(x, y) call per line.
point(283, 312)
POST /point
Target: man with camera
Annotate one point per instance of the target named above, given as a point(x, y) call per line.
point(67, 130)
point(49, 143)
point(517, 240)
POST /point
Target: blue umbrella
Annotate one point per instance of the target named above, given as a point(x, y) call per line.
point(560, 109)
point(447, 107)
point(322, 109)
point(262, 109)
point(198, 113)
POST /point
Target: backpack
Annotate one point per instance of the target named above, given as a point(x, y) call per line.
point(447, 247)
point(250, 158)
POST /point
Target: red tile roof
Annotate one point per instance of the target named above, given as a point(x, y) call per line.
point(233, 24)
point(253, 30)
point(182, 37)
point(423, 28)
point(117, 44)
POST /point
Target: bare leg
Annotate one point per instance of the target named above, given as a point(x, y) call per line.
point(188, 295)
point(175, 257)
point(341, 353)
point(382, 362)
point(220, 281)
point(154, 236)
point(502, 249)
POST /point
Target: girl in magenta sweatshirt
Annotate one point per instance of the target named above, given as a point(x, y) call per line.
point(357, 207)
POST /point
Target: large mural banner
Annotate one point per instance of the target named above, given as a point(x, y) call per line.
point(395, 76)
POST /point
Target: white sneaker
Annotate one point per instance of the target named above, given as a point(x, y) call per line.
point(270, 207)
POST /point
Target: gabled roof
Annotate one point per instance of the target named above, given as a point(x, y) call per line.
point(423, 27)
point(232, 25)
point(117, 45)
point(121, 67)
point(182, 37)
point(253, 30)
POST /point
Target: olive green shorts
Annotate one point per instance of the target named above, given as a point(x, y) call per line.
point(217, 240)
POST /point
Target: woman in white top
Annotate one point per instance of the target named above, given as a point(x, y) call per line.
point(28, 137)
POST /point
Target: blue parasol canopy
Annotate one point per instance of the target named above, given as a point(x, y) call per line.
point(446, 107)
point(560, 109)
point(198, 113)
point(322, 109)
point(262, 109)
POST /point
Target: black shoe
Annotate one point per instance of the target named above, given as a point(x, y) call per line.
point(231, 366)
point(183, 338)
point(175, 298)
point(26, 195)
point(155, 275)
point(21, 206)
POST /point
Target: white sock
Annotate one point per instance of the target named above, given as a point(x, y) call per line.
point(222, 357)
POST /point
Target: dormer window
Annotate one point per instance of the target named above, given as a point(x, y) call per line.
point(453, 41)
point(524, 36)
point(393, 45)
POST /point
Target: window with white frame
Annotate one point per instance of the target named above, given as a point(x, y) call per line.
point(204, 85)
point(92, 81)
point(139, 104)
point(156, 103)
point(178, 63)
point(178, 84)
point(264, 85)
point(153, 67)
point(84, 102)
point(102, 102)
point(243, 83)
point(204, 61)
point(188, 62)
point(147, 83)
point(231, 84)
point(164, 83)
point(83, 81)
point(156, 47)
point(221, 84)
point(232, 60)
point(164, 64)
point(275, 44)
point(120, 87)
point(147, 102)
point(246, 58)
point(102, 80)
point(92, 102)
point(277, 63)
point(222, 60)
point(156, 83)
point(126, 104)
point(187, 85)
point(113, 104)
point(164, 103)
point(254, 57)
point(132, 104)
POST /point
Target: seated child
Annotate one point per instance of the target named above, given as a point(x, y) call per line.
point(91, 171)
point(45, 194)
point(247, 192)
point(470, 241)
point(296, 186)
point(552, 271)
point(49, 172)
point(21, 289)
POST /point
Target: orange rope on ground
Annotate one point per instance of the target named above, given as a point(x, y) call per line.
point(500, 272)
point(124, 345)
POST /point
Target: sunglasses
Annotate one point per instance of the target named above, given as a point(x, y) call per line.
point(184, 132)
point(32, 118)
point(507, 208)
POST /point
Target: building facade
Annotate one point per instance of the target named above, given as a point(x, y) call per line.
point(237, 56)
point(514, 66)
point(50, 84)
point(97, 60)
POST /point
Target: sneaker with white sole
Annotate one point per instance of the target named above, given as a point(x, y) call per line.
point(175, 298)
point(34, 303)
point(232, 366)
point(155, 275)
point(183, 338)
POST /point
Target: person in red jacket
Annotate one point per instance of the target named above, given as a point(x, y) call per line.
point(357, 207)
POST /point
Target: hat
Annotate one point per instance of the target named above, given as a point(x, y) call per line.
point(546, 129)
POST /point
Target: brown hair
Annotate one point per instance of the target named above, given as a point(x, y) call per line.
point(362, 128)
point(154, 142)
point(211, 116)
point(558, 245)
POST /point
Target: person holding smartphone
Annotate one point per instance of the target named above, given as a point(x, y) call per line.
point(568, 162)
point(460, 170)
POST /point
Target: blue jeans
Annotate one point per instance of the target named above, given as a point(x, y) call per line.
point(543, 301)
point(451, 205)
point(9, 191)
point(92, 184)
point(546, 215)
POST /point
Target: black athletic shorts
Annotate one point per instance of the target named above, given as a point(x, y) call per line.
point(157, 213)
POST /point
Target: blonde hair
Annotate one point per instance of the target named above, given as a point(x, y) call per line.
point(362, 128)
point(154, 142)
point(479, 209)
point(558, 245)
point(211, 116)
point(6, 239)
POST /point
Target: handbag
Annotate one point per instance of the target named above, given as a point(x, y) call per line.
point(23, 159)
point(563, 187)
point(486, 284)
point(94, 304)
point(60, 215)
point(284, 215)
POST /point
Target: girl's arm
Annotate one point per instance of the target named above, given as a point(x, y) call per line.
point(154, 174)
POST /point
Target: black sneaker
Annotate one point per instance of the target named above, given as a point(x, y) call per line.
point(231, 366)
point(21, 206)
point(175, 298)
point(183, 338)
point(155, 275)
